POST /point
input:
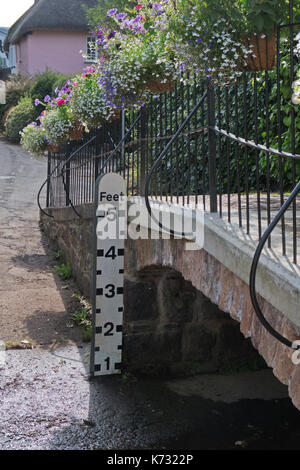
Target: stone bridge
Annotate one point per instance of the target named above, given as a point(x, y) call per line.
point(188, 309)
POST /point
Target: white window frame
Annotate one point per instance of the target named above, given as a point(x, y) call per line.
point(93, 59)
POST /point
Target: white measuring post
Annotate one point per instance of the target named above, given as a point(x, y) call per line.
point(110, 228)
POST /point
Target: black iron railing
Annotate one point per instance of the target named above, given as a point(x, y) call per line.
point(231, 150)
point(237, 154)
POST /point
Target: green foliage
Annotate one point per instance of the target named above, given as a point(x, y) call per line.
point(246, 16)
point(64, 270)
point(263, 15)
point(44, 83)
point(18, 118)
point(98, 14)
point(17, 86)
point(57, 123)
point(83, 318)
point(59, 255)
point(59, 83)
point(87, 333)
point(286, 108)
point(33, 139)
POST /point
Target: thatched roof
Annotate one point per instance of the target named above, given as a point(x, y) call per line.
point(52, 15)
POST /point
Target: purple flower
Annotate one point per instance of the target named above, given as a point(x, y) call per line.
point(111, 34)
point(121, 16)
point(112, 12)
point(36, 102)
point(47, 99)
point(126, 24)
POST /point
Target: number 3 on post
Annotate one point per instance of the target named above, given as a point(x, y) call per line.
point(108, 282)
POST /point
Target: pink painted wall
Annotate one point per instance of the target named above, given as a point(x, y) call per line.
point(22, 50)
point(59, 50)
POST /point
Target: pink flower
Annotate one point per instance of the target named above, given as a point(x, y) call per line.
point(60, 102)
point(139, 6)
point(88, 71)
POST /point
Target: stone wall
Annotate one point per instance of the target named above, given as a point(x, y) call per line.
point(169, 326)
point(174, 305)
point(74, 237)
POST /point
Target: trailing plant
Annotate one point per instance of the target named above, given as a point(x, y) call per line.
point(57, 124)
point(33, 138)
point(134, 52)
point(57, 118)
point(18, 118)
point(89, 101)
point(206, 40)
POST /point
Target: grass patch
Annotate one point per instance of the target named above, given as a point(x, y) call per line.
point(83, 317)
point(64, 270)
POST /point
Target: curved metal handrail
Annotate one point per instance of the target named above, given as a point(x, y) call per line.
point(73, 154)
point(254, 266)
point(157, 162)
point(53, 171)
point(268, 231)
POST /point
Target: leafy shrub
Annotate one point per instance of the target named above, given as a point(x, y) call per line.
point(18, 118)
point(44, 83)
point(59, 84)
point(17, 86)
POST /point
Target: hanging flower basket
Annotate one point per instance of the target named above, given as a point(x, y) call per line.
point(264, 50)
point(53, 148)
point(77, 131)
point(158, 87)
